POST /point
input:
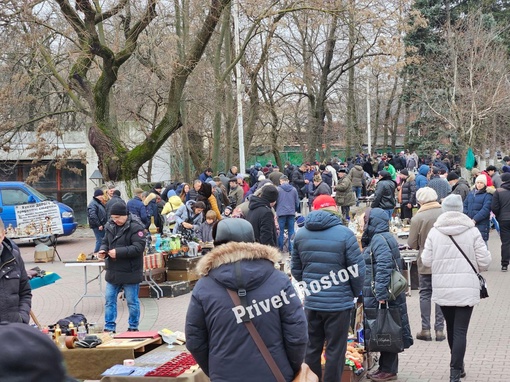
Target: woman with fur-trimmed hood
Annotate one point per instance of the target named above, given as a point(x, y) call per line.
point(215, 333)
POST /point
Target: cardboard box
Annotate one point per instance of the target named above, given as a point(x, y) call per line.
point(44, 256)
point(181, 275)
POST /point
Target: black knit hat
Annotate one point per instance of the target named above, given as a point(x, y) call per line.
point(119, 208)
point(452, 176)
point(269, 193)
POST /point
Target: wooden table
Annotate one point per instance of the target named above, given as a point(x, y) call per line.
point(91, 363)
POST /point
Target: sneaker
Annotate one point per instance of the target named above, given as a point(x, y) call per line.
point(424, 335)
point(132, 330)
point(440, 335)
point(384, 376)
point(504, 268)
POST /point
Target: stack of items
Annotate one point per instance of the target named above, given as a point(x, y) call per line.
point(183, 363)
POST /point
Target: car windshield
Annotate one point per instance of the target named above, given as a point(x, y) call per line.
point(40, 196)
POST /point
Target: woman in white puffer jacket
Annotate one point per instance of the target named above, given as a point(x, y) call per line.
point(455, 286)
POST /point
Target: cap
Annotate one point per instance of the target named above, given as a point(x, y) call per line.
point(119, 208)
point(233, 179)
point(452, 176)
point(269, 193)
point(98, 193)
point(323, 201)
point(137, 191)
point(452, 202)
point(157, 186)
point(27, 354)
point(237, 230)
point(404, 172)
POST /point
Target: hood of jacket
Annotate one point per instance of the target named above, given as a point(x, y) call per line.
point(257, 201)
point(287, 187)
point(220, 263)
point(462, 181)
point(377, 223)
point(453, 223)
point(505, 186)
point(424, 170)
point(321, 220)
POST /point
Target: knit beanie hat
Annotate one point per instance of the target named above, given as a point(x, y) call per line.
point(98, 193)
point(119, 208)
point(452, 176)
point(426, 195)
point(505, 177)
point(481, 178)
point(452, 202)
point(269, 193)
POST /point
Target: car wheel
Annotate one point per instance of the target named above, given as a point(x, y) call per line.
point(48, 240)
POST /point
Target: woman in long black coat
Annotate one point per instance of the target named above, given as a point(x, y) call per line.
point(380, 244)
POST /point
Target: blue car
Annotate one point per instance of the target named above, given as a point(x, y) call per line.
point(18, 193)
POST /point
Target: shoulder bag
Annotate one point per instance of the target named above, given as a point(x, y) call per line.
point(483, 284)
point(398, 282)
point(304, 375)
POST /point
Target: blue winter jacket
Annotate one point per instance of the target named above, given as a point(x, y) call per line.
point(136, 207)
point(478, 207)
point(288, 200)
point(327, 261)
point(383, 247)
point(215, 334)
point(421, 178)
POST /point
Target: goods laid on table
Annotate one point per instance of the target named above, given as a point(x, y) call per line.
point(183, 363)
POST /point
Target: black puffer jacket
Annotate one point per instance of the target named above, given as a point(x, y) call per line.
point(262, 220)
point(15, 291)
point(501, 202)
point(409, 192)
point(129, 243)
point(96, 212)
point(385, 193)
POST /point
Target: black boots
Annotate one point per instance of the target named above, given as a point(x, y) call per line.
point(455, 375)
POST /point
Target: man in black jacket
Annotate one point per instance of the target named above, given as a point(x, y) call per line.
point(261, 215)
point(501, 208)
point(15, 291)
point(122, 248)
point(384, 196)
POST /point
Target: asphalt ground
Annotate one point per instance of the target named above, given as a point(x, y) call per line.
point(488, 347)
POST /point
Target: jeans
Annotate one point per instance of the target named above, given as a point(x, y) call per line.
point(286, 221)
point(99, 234)
point(504, 227)
point(457, 323)
point(388, 362)
point(357, 191)
point(426, 304)
point(133, 303)
point(331, 328)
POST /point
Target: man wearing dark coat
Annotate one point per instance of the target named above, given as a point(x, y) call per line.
point(122, 248)
point(15, 291)
point(327, 263)
point(261, 215)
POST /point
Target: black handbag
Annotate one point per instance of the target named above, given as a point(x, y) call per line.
point(386, 333)
point(483, 284)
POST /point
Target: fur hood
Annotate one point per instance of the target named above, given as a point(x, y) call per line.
point(233, 252)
